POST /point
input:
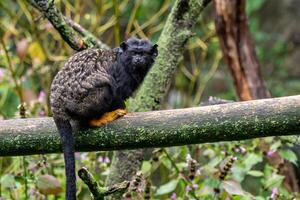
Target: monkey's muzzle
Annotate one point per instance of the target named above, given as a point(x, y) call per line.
point(138, 61)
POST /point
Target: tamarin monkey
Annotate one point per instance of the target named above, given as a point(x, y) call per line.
point(91, 89)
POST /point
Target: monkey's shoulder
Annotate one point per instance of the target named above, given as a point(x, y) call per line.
point(83, 71)
point(84, 64)
point(88, 58)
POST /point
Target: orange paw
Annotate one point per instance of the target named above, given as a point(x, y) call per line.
point(108, 117)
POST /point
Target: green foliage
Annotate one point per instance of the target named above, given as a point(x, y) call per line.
point(36, 52)
point(167, 188)
point(254, 6)
point(9, 101)
point(8, 181)
point(289, 155)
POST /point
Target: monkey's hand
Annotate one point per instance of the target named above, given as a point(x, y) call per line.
point(108, 117)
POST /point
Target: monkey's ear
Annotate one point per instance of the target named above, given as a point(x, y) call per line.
point(123, 46)
point(154, 50)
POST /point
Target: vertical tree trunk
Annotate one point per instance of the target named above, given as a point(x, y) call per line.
point(177, 30)
point(238, 49)
point(239, 54)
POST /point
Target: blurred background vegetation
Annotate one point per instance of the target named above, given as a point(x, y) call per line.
point(31, 53)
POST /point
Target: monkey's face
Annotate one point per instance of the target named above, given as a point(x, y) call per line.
point(137, 55)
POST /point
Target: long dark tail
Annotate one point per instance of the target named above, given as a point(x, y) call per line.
point(65, 130)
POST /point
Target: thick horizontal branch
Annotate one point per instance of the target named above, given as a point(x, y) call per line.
point(233, 121)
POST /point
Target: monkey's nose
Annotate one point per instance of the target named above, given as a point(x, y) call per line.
point(137, 60)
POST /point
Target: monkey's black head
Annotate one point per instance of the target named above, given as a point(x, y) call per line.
point(137, 55)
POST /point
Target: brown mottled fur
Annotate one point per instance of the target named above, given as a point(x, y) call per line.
point(92, 83)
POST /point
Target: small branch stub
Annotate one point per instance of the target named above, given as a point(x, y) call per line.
point(98, 192)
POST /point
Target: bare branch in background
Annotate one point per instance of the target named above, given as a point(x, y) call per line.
point(238, 49)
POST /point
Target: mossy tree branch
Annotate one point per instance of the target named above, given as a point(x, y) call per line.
point(232, 121)
point(98, 192)
point(86, 34)
point(76, 36)
point(176, 32)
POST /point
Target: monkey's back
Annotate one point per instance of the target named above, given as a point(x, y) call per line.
point(83, 72)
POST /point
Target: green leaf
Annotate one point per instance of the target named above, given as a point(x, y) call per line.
point(48, 184)
point(274, 181)
point(232, 187)
point(254, 5)
point(215, 161)
point(166, 162)
point(289, 155)
point(182, 165)
point(239, 172)
point(167, 188)
point(7, 181)
point(251, 160)
point(146, 167)
point(209, 153)
point(275, 146)
point(9, 101)
point(237, 198)
point(259, 198)
point(255, 173)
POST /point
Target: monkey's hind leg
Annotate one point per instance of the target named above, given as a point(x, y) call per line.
point(108, 117)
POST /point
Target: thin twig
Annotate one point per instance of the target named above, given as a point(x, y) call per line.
point(117, 24)
point(86, 34)
point(132, 17)
point(10, 68)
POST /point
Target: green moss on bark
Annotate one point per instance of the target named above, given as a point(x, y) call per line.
point(234, 121)
point(64, 27)
point(177, 31)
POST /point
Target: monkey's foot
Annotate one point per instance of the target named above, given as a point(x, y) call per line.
point(108, 117)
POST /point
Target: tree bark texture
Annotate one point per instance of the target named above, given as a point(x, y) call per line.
point(238, 49)
point(226, 122)
point(239, 52)
point(176, 32)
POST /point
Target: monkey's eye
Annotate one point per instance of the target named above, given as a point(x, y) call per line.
point(137, 53)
